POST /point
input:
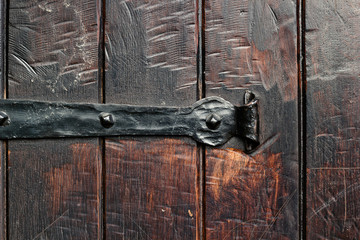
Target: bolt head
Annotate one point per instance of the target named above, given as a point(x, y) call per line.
point(213, 121)
point(4, 119)
point(249, 96)
point(106, 119)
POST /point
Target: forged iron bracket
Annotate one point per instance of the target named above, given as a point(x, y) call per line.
point(212, 120)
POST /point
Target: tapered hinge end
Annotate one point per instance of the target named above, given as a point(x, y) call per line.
point(247, 122)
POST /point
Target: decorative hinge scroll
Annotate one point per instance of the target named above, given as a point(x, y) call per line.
point(212, 120)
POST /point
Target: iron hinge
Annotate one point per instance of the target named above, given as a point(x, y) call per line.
point(211, 121)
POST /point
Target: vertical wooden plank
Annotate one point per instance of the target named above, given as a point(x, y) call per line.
point(3, 144)
point(150, 189)
point(200, 94)
point(333, 136)
point(253, 45)
point(101, 16)
point(151, 60)
point(151, 52)
point(53, 52)
point(53, 189)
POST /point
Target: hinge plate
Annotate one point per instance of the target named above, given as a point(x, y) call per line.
point(211, 121)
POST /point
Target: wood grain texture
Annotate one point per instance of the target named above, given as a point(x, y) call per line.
point(247, 196)
point(151, 52)
point(53, 184)
point(150, 189)
point(151, 184)
point(52, 189)
point(333, 147)
point(53, 50)
point(252, 45)
point(3, 157)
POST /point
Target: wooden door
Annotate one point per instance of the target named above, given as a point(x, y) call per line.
point(300, 59)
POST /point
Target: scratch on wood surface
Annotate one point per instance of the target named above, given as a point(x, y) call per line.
point(273, 14)
point(236, 179)
point(42, 39)
point(332, 28)
point(277, 214)
point(74, 185)
point(252, 43)
point(26, 65)
point(266, 144)
point(334, 199)
point(333, 121)
point(154, 36)
point(158, 188)
point(51, 224)
point(139, 227)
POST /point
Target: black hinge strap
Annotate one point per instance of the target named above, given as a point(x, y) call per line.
point(212, 120)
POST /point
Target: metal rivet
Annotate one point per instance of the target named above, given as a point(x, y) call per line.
point(106, 119)
point(4, 119)
point(249, 96)
point(213, 121)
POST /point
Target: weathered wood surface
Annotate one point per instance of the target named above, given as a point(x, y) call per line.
point(53, 190)
point(53, 50)
point(2, 143)
point(151, 58)
point(150, 191)
point(252, 45)
point(151, 183)
point(333, 136)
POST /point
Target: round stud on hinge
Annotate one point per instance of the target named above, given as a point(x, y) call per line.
point(4, 119)
point(106, 119)
point(213, 121)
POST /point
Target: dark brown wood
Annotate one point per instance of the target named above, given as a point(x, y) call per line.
point(3, 184)
point(151, 183)
point(3, 144)
point(151, 50)
point(53, 189)
point(53, 50)
point(53, 184)
point(150, 189)
point(252, 45)
point(333, 136)
point(172, 53)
